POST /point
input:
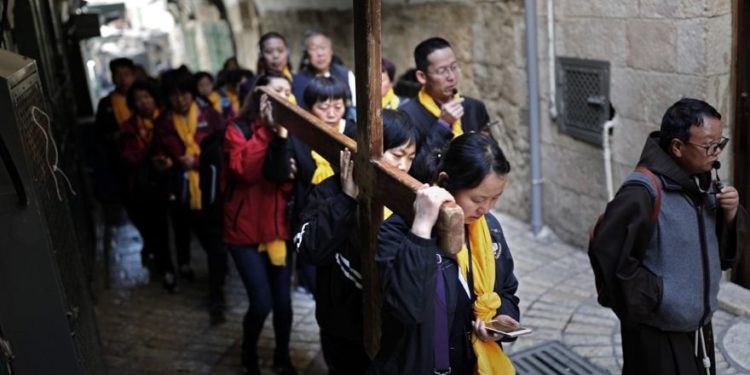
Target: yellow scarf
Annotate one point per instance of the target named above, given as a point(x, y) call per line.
point(148, 122)
point(276, 251)
point(323, 168)
point(390, 100)
point(490, 357)
point(120, 107)
point(215, 100)
point(429, 103)
point(234, 100)
point(187, 135)
point(287, 73)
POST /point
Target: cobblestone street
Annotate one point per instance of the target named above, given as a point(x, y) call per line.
point(147, 331)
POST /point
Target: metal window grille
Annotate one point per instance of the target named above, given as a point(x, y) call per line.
point(583, 98)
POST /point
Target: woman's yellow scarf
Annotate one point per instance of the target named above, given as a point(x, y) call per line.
point(187, 131)
point(276, 251)
point(287, 73)
point(490, 357)
point(234, 100)
point(215, 100)
point(323, 168)
point(120, 108)
point(148, 124)
point(390, 100)
point(429, 103)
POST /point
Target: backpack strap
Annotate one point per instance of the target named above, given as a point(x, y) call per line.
point(243, 127)
point(656, 184)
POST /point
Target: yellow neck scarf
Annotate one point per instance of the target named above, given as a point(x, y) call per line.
point(429, 103)
point(187, 131)
point(234, 100)
point(490, 357)
point(148, 122)
point(276, 251)
point(323, 168)
point(287, 73)
point(120, 107)
point(390, 100)
point(215, 100)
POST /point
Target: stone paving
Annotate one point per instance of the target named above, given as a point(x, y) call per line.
point(147, 331)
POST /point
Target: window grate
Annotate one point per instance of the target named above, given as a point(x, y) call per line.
point(583, 97)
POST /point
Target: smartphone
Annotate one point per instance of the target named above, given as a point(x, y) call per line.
point(496, 327)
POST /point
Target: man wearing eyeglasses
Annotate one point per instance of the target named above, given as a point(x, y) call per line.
point(441, 112)
point(662, 243)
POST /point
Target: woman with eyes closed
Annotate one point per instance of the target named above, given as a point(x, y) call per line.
point(435, 305)
point(324, 97)
point(329, 241)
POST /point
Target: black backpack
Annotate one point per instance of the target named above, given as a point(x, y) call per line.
point(604, 298)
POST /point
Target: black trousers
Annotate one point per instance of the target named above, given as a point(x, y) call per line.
point(149, 216)
point(206, 224)
point(343, 357)
point(647, 350)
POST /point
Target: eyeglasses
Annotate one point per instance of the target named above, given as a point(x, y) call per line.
point(713, 148)
point(443, 71)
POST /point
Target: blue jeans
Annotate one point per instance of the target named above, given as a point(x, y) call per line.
point(268, 287)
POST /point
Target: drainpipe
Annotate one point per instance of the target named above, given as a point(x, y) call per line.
point(606, 129)
point(533, 89)
point(552, 100)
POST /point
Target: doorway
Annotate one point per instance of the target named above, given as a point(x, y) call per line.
point(741, 120)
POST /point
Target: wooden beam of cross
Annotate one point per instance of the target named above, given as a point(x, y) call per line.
point(379, 183)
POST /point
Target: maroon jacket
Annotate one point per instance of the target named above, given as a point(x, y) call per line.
point(255, 207)
point(209, 135)
point(136, 148)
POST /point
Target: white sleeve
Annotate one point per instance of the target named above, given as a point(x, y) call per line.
point(353, 88)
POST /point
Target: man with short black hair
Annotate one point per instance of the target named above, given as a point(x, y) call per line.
point(659, 249)
point(111, 112)
point(440, 112)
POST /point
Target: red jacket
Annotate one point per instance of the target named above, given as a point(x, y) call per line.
point(254, 206)
point(137, 146)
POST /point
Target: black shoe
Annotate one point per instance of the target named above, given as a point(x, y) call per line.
point(187, 273)
point(282, 365)
point(284, 369)
point(169, 282)
point(217, 317)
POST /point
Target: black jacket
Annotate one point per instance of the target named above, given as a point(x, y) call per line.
point(432, 134)
point(329, 240)
point(407, 265)
point(305, 170)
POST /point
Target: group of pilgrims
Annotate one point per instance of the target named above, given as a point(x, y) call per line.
point(207, 156)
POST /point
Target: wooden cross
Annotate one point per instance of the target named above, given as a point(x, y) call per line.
point(379, 183)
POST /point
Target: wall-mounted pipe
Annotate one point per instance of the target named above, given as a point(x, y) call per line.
point(607, 151)
point(552, 100)
point(532, 71)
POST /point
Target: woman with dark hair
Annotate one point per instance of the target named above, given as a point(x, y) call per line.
point(190, 136)
point(204, 87)
point(144, 197)
point(324, 97)
point(329, 241)
point(257, 187)
point(387, 78)
point(436, 305)
point(318, 60)
point(273, 56)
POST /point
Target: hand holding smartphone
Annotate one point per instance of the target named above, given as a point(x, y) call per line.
point(497, 327)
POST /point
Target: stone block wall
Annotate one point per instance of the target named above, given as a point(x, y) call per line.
point(659, 51)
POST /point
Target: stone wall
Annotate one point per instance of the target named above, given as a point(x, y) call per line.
point(659, 51)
